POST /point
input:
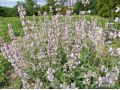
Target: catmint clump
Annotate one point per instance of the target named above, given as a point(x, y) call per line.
point(63, 51)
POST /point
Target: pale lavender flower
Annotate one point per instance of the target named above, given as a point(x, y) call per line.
point(50, 74)
point(110, 78)
point(104, 68)
point(11, 32)
point(102, 81)
point(87, 77)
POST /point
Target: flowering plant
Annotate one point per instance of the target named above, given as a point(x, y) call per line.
point(59, 52)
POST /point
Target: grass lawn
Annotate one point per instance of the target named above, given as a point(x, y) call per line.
point(4, 27)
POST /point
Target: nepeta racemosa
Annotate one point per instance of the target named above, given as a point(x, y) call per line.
point(51, 53)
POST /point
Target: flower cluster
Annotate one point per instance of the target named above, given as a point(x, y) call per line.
point(114, 52)
point(110, 78)
point(50, 75)
point(53, 52)
point(88, 77)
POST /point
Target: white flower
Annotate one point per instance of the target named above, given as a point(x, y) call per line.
point(117, 19)
point(32, 44)
point(118, 9)
point(89, 11)
point(35, 6)
point(72, 55)
point(82, 12)
point(85, 1)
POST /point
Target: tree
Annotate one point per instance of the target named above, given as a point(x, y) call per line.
point(80, 7)
point(31, 7)
point(8, 12)
point(44, 8)
point(106, 8)
point(2, 11)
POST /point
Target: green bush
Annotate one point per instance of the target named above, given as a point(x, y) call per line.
point(106, 8)
point(8, 11)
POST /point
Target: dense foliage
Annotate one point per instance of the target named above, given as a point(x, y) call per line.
point(80, 7)
point(31, 7)
point(104, 8)
point(7, 11)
